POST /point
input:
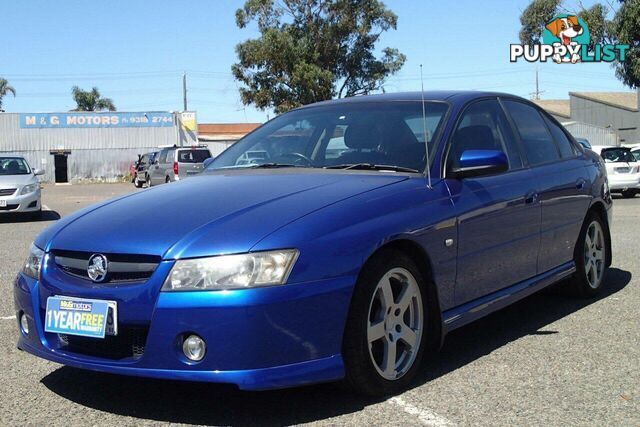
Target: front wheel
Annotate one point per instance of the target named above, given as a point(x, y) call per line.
point(136, 182)
point(385, 333)
point(590, 257)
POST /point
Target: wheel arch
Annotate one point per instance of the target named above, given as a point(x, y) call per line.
point(422, 260)
point(599, 208)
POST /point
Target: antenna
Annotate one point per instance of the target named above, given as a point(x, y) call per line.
point(424, 130)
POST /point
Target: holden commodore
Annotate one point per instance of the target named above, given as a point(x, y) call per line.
point(366, 231)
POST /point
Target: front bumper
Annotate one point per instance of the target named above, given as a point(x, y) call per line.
point(27, 203)
point(256, 339)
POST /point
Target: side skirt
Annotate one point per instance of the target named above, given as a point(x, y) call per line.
point(474, 310)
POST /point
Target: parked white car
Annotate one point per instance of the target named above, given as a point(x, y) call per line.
point(19, 186)
point(623, 170)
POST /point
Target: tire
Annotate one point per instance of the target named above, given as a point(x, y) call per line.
point(404, 329)
point(136, 182)
point(167, 180)
point(628, 194)
point(149, 183)
point(590, 257)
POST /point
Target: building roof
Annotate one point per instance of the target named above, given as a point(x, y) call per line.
point(626, 100)
point(224, 131)
point(557, 107)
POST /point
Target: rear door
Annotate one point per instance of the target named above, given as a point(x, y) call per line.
point(498, 215)
point(562, 182)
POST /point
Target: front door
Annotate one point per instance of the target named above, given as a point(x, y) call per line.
point(60, 165)
point(498, 215)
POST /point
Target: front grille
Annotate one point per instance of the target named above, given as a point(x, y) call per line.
point(9, 207)
point(129, 343)
point(7, 191)
point(121, 267)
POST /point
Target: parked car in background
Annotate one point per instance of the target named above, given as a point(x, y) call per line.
point(19, 186)
point(311, 266)
point(623, 170)
point(175, 163)
point(142, 168)
point(584, 142)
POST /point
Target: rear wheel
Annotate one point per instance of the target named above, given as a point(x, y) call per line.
point(627, 194)
point(149, 181)
point(590, 257)
point(385, 333)
point(167, 180)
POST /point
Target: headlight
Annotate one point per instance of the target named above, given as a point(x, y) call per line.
point(231, 271)
point(29, 189)
point(34, 262)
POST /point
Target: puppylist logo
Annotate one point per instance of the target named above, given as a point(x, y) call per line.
point(565, 40)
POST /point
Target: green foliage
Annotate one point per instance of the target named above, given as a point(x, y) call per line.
point(5, 89)
point(534, 18)
point(596, 20)
point(91, 100)
point(313, 50)
point(624, 28)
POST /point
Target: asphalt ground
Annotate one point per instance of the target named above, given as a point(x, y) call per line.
point(548, 360)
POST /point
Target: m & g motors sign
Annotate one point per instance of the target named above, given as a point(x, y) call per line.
point(95, 120)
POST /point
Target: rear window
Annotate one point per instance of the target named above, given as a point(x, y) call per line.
point(193, 156)
point(616, 155)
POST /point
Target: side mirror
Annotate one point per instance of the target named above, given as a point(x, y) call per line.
point(474, 163)
point(38, 172)
point(207, 162)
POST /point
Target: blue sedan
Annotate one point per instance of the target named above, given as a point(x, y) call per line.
point(338, 241)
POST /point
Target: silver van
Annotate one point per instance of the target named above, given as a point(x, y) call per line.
point(175, 163)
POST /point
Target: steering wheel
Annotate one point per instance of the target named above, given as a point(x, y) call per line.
point(297, 157)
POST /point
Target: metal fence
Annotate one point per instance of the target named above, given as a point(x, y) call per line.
point(596, 135)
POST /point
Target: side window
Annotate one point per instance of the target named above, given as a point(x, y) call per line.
point(565, 146)
point(162, 156)
point(483, 126)
point(536, 140)
point(171, 154)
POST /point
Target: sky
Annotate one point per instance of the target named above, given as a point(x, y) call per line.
point(135, 52)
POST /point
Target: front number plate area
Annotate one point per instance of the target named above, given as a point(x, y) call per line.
point(81, 317)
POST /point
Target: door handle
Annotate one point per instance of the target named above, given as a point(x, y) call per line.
point(580, 183)
point(530, 197)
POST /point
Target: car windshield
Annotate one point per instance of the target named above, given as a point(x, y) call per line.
point(617, 155)
point(346, 135)
point(13, 166)
point(193, 156)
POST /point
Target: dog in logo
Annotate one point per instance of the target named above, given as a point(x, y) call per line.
point(566, 29)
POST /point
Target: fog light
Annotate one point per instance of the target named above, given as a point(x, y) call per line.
point(194, 348)
point(24, 324)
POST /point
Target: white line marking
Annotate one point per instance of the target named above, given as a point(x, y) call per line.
point(8, 317)
point(426, 417)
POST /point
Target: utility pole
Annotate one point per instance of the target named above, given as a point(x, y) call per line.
point(536, 95)
point(184, 90)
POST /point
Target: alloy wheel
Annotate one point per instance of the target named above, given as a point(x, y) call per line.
point(395, 323)
point(594, 254)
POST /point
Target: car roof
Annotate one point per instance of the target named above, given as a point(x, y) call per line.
point(435, 95)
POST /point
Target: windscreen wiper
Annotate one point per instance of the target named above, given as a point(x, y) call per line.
point(371, 166)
